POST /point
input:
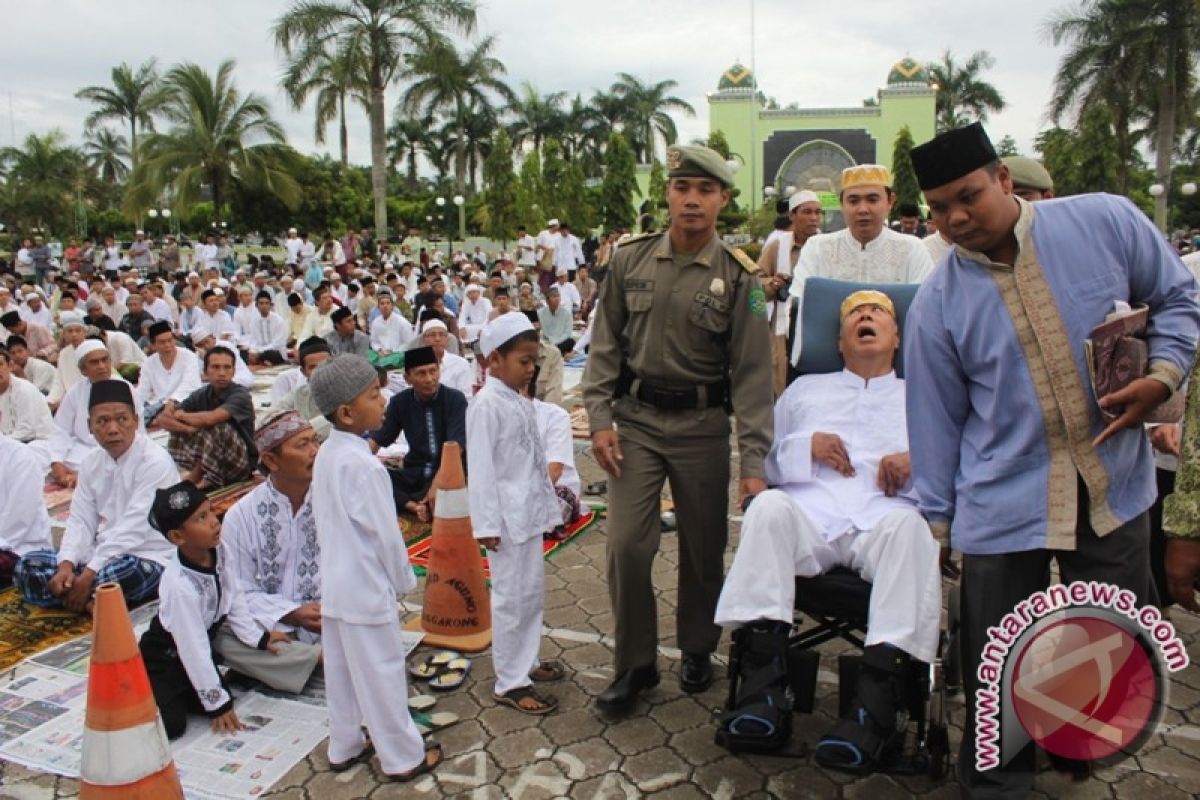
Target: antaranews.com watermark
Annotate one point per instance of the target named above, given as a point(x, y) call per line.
point(1077, 668)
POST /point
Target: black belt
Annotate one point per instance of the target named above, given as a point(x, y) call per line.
point(710, 395)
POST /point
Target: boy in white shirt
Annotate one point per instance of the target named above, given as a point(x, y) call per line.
point(203, 616)
point(512, 505)
point(364, 564)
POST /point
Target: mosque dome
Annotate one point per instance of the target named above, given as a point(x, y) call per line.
point(736, 77)
point(908, 70)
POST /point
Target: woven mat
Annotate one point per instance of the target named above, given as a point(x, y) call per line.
point(26, 630)
point(418, 551)
point(58, 498)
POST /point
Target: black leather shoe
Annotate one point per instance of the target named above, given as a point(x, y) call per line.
point(625, 689)
point(696, 674)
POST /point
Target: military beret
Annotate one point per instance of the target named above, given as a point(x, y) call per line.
point(1028, 173)
point(697, 161)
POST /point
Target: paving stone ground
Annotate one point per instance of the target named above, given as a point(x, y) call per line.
point(665, 748)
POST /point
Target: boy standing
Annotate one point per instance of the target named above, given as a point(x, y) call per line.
point(203, 620)
point(512, 505)
point(364, 564)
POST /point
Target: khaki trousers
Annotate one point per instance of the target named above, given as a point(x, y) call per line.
point(691, 450)
point(779, 364)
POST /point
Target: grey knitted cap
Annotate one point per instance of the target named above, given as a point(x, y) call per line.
point(339, 380)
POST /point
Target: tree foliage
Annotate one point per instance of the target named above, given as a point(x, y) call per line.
point(554, 171)
point(904, 175)
point(620, 184)
point(963, 96)
point(501, 194)
point(530, 191)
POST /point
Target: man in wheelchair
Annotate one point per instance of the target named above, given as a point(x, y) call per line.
point(842, 496)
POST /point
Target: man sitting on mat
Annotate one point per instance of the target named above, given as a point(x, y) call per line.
point(842, 496)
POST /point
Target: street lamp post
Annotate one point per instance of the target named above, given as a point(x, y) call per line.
point(459, 200)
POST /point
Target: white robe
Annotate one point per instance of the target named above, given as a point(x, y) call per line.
point(275, 556)
point(66, 375)
point(391, 335)
point(554, 425)
point(156, 382)
point(24, 523)
point(72, 442)
point(472, 318)
point(218, 325)
point(457, 373)
point(123, 349)
point(285, 383)
point(817, 519)
point(24, 412)
point(111, 504)
point(258, 333)
point(40, 373)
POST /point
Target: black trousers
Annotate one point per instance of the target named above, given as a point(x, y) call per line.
point(1158, 539)
point(408, 486)
point(993, 584)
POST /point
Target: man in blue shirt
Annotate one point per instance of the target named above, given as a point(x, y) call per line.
point(1012, 460)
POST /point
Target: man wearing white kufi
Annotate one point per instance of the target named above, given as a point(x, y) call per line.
point(474, 313)
point(843, 497)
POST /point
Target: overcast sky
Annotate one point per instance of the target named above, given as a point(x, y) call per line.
point(817, 54)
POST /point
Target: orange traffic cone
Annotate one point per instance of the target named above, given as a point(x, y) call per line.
point(457, 610)
point(125, 750)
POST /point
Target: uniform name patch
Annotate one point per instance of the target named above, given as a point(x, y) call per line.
point(639, 285)
point(712, 302)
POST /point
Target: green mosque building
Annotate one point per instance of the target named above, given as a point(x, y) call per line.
point(807, 148)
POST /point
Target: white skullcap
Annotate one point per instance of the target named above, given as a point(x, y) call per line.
point(474, 287)
point(801, 197)
point(68, 318)
point(86, 348)
point(552, 223)
point(298, 285)
point(433, 325)
point(502, 329)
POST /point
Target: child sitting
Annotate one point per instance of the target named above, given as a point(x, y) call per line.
point(512, 504)
point(364, 565)
point(203, 620)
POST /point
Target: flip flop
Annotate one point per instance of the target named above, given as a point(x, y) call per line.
point(421, 702)
point(513, 698)
point(432, 664)
point(428, 723)
point(597, 487)
point(363, 757)
point(553, 671)
point(451, 674)
point(424, 768)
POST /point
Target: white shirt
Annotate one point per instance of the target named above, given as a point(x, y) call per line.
point(570, 296)
point(890, 257)
point(112, 259)
point(218, 325)
point(457, 373)
point(66, 375)
point(24, 524)
point(391, 334)
point(938, 247)
point(473, 316)
point(241, 316)
point(259, 334)
point(292, 246)
point(156, 382)
point(206, 255)
point(545, 241)
point(554, 424)
point(24, 413)
point(111, 504)
point(869, 418)
point(510, 491)
point(317, 324)
point(364, 561)
point(568, 253)
point(123, 349)
point(40, 374)
point(525, 255)
point(285, 383)
point(192, 600)
point(274, 554)
point(159, 309)
point(41, 317)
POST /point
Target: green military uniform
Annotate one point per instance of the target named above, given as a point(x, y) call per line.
point(668, 332)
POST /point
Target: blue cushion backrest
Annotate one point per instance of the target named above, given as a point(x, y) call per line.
point(820, 326)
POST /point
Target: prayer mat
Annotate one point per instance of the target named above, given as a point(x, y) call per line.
point(418, 551)
point(224, 498)
point(58, 501)
point(26, 630)
point(413, 529)
point(579, 423)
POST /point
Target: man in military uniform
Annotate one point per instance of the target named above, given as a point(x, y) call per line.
point(680, 340)
point(1031, 180)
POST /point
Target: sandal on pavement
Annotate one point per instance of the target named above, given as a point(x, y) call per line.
point(431, 665)
point(513, 698)
point(363, 757)
point(424, 768)
point(548, 672)
point(451, 674)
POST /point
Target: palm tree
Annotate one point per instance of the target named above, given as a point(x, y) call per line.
point(443, 80)
point(106, 153)
point(962, 95)
point(43, 176)
point(134, 98)
point(648, 108)
point(383, 32)
point(536, 117)
point(406, 140)
point(216, 138)
point(334, 78)
point(1118, 49)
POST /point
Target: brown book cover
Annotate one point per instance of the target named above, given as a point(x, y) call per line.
point(1117, 354)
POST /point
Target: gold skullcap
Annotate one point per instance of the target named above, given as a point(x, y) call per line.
point(866, 175)
point(865, 297)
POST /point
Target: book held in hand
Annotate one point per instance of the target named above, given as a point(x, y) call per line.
point(1117, 354)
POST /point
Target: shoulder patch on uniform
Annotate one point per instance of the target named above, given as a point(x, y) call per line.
point(758, 301)
point(640, 237)
point(743, 259)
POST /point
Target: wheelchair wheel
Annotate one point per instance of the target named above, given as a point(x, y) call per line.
point(939, 751)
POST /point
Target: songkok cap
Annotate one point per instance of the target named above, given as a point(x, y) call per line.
point(340, 380)
point(697, 161)
point(502, 330)
point(419, 357)
point(433, 325)
point(340, 314)
point(158, 328)
point(110, 391)
point(865, 297)
point(174, 506)
point(69, 318)
point(10, 319)
point(207, 293)
point(501, 291)
point(313, 344)
point(951, 155)
point(801, 197)
point(866, 175)
point(277, 428)
point(264, 294)
point(87, 347)
point(552, 223)
point(1028, 173)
